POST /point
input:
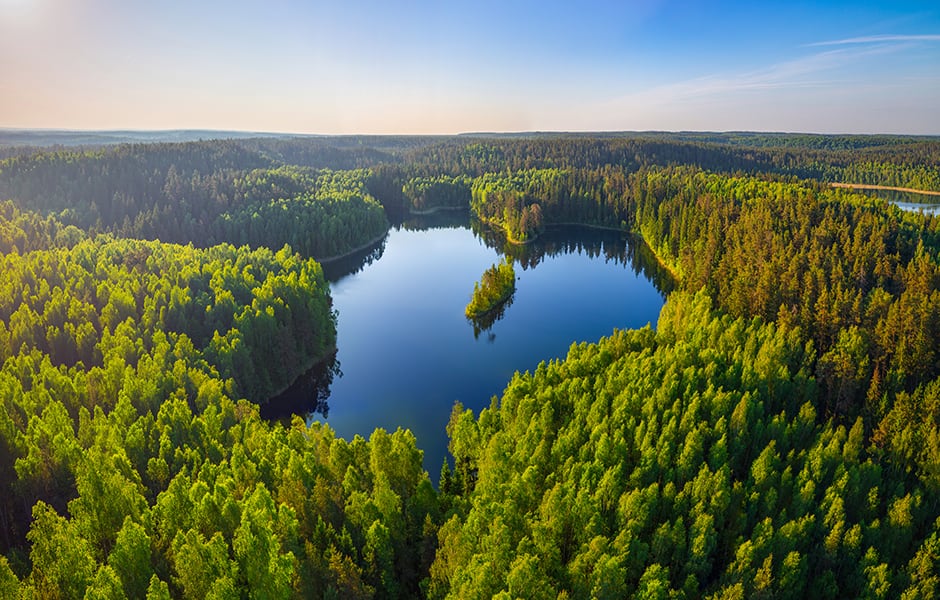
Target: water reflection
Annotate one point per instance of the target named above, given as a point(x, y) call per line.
point(927, 208)
point(355, 262)
point(307, 395)
point(484, 323)
point(909, 201)
point(351, 264)
point(613, 246)
point(645, 264)
point(441, 219)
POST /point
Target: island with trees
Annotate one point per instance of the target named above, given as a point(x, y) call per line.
point(493, 290)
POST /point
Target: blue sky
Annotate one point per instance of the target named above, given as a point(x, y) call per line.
point(363, 66)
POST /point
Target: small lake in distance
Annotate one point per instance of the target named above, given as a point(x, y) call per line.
point(910, 201)
point(406, 352)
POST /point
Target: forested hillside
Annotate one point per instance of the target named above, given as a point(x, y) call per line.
point(685, 462)
point(776, 435)
point(131, 467)
point(202, 193)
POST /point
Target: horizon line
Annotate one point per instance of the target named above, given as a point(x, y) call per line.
point(259, 133)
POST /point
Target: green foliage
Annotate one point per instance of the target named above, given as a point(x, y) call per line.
point(105, 305)
point(323, 216)
point(9, 584)
point(238, 505)
point(131, 557)
point(671, 464)
point(860, 277)
point(204, 194)
point(781, 442)
point(144, 475)
point(496, 286)
point(426, 194)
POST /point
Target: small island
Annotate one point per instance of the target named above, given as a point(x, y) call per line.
point(494, 289)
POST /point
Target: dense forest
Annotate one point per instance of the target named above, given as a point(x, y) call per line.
point(199, 194)
point(776, 435)
point(683, 462)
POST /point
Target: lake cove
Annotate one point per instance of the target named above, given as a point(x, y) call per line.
point(406, 350)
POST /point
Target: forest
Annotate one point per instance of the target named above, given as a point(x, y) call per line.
point(776, 434)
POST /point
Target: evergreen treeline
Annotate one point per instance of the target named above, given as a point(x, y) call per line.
point(426, 194)
point(201, 193)
point(522, 203)
point(859, 276)
point(103, 301)
point(685, 462)
point(128, 468)
point(322, 215)
point(903, 162)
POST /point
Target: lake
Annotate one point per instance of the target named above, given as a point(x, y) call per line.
point(911, 201)
point(406, 352)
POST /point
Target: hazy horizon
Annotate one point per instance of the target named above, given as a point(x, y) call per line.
point(534, 132)
point(426, 68)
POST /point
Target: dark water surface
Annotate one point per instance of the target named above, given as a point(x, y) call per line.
point(406, 352)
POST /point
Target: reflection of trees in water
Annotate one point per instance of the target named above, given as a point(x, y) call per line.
point(619, 247)
point(895, 195)
point(483, 323)
point(441, 219)
point(644, 263)
point(355, 262)
point(307, 395)
point(612, 246)
point(905, 200)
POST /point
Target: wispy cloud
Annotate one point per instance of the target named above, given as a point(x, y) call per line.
point(880, 39)
point(828, 88)
point(803, 72)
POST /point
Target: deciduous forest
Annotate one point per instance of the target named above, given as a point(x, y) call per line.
point(775, 434)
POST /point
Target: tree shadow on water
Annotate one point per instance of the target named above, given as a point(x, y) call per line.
point(307, 395)
point(484, 323)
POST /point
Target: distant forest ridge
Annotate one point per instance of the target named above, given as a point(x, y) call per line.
point(45, 138)
point(105, 137)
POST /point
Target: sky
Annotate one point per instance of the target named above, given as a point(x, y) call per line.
point(419, 67)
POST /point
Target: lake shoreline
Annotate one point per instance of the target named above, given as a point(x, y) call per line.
point(365, 246)
point(534, 239)
point(588, 226)
point(503, 298)
point(436, 209)
point(329, 354)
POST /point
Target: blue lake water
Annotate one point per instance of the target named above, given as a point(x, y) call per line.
point(927, 207)
point(407, 353)
point(911, 201)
